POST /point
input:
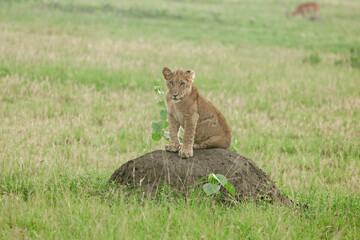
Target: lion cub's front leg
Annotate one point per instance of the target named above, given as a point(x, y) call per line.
point(174, 126)
point(190, 122)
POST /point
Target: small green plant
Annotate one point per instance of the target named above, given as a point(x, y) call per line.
point(233, 147)
point(215, 181)
point(264, 195)
point(313, 59)
point(159, 127)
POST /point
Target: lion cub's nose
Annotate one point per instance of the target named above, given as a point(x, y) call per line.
point(175, 95)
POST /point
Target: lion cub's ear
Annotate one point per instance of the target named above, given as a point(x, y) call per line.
point(190, 75)
point(167, 73)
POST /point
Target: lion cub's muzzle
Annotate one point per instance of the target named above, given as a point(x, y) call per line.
point(176, 98)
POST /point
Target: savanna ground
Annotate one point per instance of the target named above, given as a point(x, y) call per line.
point(77, 101)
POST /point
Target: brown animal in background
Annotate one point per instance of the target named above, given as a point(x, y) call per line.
point(304, 8)
point(204, 126)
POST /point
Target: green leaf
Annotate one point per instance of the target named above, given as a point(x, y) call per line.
point(230, 188)
point(156, 136)
point(221, 179)
point(163, 115)
point(212, 179)
point(161, 103)
point(217, 178)
point(166, 124)
point(210, 188)
point(158, 126)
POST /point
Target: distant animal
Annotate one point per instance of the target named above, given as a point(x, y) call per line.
point(204, 126)
point(305, 8)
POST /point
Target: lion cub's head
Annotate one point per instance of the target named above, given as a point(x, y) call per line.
point(179, 83)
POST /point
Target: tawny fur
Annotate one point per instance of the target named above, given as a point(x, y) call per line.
point(204, 126)
point(304, 8)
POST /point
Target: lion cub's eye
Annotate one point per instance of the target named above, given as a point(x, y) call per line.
point(171, 83)
point(182, 84)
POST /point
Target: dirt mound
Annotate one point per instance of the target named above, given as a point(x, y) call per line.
point(150, 170)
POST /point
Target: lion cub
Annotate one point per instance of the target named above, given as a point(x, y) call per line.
point(204, 126)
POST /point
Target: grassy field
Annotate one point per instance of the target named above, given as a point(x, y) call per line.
point(77, 101)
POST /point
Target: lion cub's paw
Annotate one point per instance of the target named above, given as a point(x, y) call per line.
point(186, 153)
point(172, 148)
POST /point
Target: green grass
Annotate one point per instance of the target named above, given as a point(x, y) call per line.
point(77, 101)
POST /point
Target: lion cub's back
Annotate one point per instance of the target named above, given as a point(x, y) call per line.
point(210, 117)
